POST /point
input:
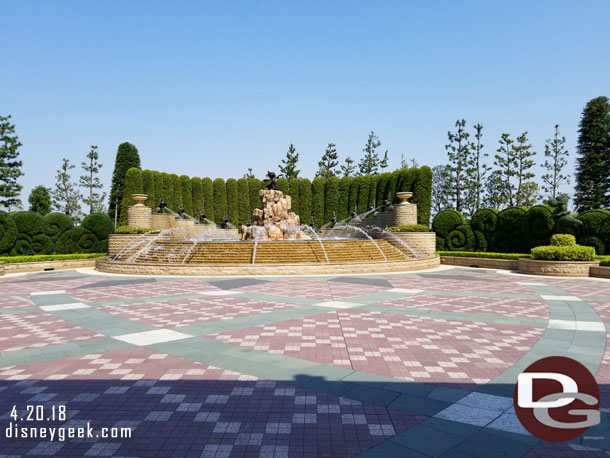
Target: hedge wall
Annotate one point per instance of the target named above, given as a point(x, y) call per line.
point(29, 233)
point(133, 185)
point(516, 230)
point(319, 198)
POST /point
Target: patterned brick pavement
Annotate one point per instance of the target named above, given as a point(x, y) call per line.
point(382, 365)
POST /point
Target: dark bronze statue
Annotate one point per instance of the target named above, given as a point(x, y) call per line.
point(202, 217)
point(161, 206)
point(181, 211)
point(565, 223)
point(272, 178)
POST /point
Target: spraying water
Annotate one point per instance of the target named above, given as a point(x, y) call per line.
point(312, 230)
point(395, 238)
point(362, 231)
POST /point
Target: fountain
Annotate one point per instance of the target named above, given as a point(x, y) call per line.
point(275, 242)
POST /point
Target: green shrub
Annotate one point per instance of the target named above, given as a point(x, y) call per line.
point(99, 224)
point(508, 235)
point(353, 195)
point(42, 244)
point(485, 220)
point(538, 225)
point(373, 192)
point(177, 197)
point(197, 196)
point(563, 240)
point(79, 240)
point(21, 246)
point(440, 243)
point(317, 207)
point(293, 187)
point(133, 185)
point(148, 187)
point(255, 185)
point(134, 230)
point(187, 194)
point(243, 201)
point(232, 206)
point(363, 194)
point(282, 185)
point(220, 200)
point(50, 257)
point(461, 239)
point(208, 198)
point(305, 200)
point(343, 204)
point(331, 198)
point(564, 253)
point(595, 230)
point(480, 241)
point(477, 254)
point(157, 189)
point(446, 221)
point(422, 194)
point(8, 232)
point(392, 186)
point(409, 228)
point(382, 187)
point(168, 190)
point(29, 223)
point(55, 224)
point(592, 241)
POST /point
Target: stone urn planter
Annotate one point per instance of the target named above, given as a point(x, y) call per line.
point(139, 198)
point(556, 268)
point(404, 197)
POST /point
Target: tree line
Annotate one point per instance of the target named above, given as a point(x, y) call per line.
point(468, 182)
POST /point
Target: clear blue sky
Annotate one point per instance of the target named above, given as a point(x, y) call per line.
point(212, 88)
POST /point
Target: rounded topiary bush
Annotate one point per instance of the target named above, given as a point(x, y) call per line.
point(538, 225)
point(462, 238)
point(485, 220)
point(440, 243)
point(563, 240)
point(595, 242)
point(8, 232)
point(78, 240)
point(507, 237)
point(595, 230)
point(56, 224)
point(99, 224)
point(29, 223)
point(21, 246)
point(41, 244)
point(446, 221)
point(480, 241)
point(564, 253)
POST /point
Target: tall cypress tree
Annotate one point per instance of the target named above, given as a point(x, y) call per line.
point(593, 162)
point(127, 156)
point(10, 167)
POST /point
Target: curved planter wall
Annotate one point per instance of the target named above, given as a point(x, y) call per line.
point(556, 268)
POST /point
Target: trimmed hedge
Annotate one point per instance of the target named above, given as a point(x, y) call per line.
point(168, 190)
point(293, 187)
point(155, 195)
point(148, 187)
point(317, 207)
point(409, 228)
point(220, 200)
point(134, 230)
point(255, 186)
point(446, 221)
point(461, 238)
point(177, 196)
point(305, 197)
point(282, 185)
point(187, 194)
point(343, 204)
point(197, 196)
point(232, 204)
point(564, 253)
point(24, 233)
point(353, 195)
point(563, 240)
point(8, 232)
point(208, 198)
point(243, 201)
point(331, 198)
point(363, 194)
point(477, 254)
point(133, 185)
point(538, 224)
point(50, 257)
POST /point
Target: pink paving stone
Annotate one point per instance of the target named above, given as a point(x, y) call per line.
point(530, 308)
point(17, 285)
point(603, 376)
point(602, 308)
point(133, 363)
point(423, 349)
point(10, 302)
point(443, 284)
point(184, 312)
point(39, 329)
point(134, 291)
point(592, 290)
point(312, 289)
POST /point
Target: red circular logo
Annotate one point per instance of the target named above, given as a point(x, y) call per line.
point(557, 399)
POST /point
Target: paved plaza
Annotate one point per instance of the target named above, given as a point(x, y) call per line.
point(418, 364)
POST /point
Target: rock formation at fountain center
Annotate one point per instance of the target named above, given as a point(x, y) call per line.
point(274, 221)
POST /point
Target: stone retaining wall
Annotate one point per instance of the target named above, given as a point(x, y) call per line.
point(14, 267)
point(121, 267)
point(484, 263)
point(599, 271)
point(556, 268)
point(116, 242)
point(424, 243)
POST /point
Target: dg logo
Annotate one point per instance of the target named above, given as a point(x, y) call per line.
point(557, 399)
